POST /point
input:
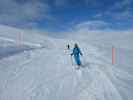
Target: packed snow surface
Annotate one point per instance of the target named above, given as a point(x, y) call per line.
point(48, 72)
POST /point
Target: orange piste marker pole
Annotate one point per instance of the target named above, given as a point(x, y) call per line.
point(19, 42)
point(113, 55)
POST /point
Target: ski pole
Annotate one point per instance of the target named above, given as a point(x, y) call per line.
point(84, 61)
point(72, 60)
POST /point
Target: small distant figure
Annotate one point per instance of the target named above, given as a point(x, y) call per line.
point(68, 46)
point(76, 53)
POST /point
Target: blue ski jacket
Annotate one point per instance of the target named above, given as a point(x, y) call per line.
point(76, 52)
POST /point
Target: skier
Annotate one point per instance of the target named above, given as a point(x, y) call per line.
point(68, 46)
point(76, 53)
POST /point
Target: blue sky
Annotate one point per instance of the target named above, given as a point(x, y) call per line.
point(67, 15)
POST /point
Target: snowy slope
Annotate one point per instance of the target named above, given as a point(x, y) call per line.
point(14, 41)
point(120, 39)
point(48, 74)
point(23, 37)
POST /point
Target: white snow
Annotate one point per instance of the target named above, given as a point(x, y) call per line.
point(48, 74)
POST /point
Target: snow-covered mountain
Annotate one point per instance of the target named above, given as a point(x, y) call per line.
point(49, 73)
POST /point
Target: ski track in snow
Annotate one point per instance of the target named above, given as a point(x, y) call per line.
point(15, 73)
point(37, 78)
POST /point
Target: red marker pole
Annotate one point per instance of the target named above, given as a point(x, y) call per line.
point(113, 55)
point(19, 40)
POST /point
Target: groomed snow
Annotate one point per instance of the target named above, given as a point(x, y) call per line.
point(49, 73)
